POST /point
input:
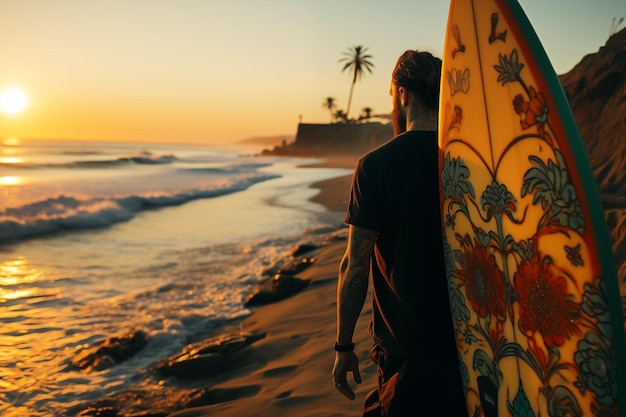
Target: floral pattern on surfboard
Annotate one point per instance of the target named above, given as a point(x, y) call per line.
point(529, 307)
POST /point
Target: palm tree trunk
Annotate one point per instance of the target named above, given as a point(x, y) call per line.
point(350, 99)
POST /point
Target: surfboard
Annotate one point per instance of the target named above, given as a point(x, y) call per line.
point(532, 282)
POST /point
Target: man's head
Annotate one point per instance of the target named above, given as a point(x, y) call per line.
point(415, 83)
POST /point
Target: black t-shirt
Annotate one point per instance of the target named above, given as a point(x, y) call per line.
point(395, 191)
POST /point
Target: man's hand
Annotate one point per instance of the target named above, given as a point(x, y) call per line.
point(346, 362)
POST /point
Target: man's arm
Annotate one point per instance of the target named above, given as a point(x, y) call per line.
point(351, 293)
point(353, 282)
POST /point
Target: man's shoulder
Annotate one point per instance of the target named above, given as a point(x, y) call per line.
point(410, 141)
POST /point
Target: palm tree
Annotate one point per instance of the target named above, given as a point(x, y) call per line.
point(615, 24)
point(356, 59)
point(367, 113)
point(341, 116)
point(329, 104)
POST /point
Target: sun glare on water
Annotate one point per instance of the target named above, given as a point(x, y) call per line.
point(13, 100)
point(10, 180)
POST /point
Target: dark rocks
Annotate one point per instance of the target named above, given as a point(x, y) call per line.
point(303, 248)
point(295, 266)
point(292, 264)
point(282, 282)
point(114, 350)
point(208, 357)
point(274, 289)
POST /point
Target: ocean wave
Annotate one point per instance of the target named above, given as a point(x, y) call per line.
point(148, 158)
point(230, 169)
point(67, 213)
point(142, 158)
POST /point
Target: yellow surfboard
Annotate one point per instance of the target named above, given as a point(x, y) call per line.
point(532, 281)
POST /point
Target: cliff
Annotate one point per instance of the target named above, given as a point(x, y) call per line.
point(596, 91)
point(335, 139)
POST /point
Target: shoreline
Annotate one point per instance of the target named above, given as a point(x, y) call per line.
point(289, 371)
point(334, 193)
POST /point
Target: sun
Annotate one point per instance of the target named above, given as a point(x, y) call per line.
point(13, 100)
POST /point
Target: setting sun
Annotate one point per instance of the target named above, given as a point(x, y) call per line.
point(13, 100)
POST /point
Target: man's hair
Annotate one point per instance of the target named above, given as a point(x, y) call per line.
point(419, 72)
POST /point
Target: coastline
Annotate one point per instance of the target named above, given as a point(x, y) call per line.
point(333, 193)
point(289, 371)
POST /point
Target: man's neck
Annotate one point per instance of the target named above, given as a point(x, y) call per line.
point(421, 119)
point(425, 121)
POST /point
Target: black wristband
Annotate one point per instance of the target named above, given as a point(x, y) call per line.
point(344, 348)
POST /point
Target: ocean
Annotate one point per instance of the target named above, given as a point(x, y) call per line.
point(97, 239)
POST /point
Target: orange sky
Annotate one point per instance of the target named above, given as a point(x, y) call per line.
point(210, 71)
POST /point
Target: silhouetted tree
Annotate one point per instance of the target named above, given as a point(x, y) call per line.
point(367, 113)
point(329, 104)
point(615, 24)
point(358, 61)
point(341, 116)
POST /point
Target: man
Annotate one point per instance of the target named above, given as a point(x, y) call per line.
point(395, 233)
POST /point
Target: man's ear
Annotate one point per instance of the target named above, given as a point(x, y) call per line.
point(404, 96)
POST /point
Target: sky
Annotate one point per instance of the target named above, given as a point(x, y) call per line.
point(209, 71)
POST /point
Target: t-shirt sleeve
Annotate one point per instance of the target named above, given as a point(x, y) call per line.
point(363, 208)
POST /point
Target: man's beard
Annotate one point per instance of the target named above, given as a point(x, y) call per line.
point(398, 120)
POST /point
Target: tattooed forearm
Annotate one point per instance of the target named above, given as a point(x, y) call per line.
point(357, 289)
point(353, 280)
point(361, 246)
point(351, 296)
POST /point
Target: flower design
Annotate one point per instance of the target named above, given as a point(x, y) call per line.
point(551, 186)
point(457, 118)
point(458, 81)
point(484, 283)
point(460, 312)
point(448, 259)
point(495, 273)
point(497, 199)
point(524, 248)
point(544, 305)
point(594, 359)
point(595, 305)
point(509, 68)
point(533, 112)
point(454, 176)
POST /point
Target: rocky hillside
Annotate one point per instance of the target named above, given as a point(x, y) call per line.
point(596, 90)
